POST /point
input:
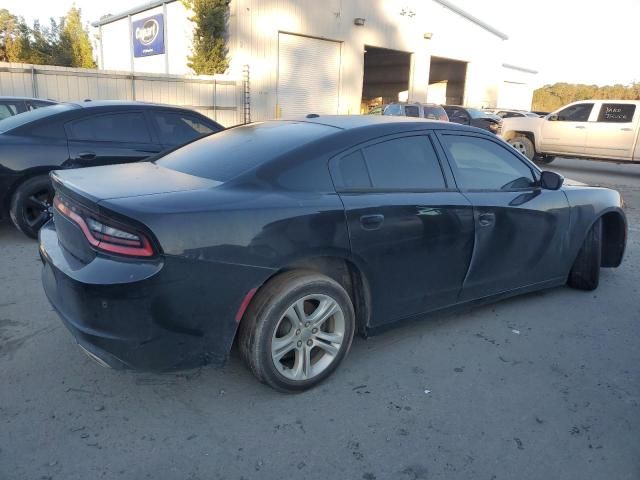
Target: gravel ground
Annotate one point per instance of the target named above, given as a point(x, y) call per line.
point(546, 385)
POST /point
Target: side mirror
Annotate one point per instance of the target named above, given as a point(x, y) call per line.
point(551, 180)
point(553, 118)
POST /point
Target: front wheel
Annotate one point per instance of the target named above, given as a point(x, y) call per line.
point(32, 205)
point(585, 272)
point(297, 330)
point(524, 146)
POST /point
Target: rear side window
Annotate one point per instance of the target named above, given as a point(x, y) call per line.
point(128, 127)
point(616, 113)
point(481, 164)
point(411, 111)
point(407, 163)
point(393, 109)
point(7, 110)
point(231, 152)
point(177, 128)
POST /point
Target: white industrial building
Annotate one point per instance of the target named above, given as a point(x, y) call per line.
point(331, 56)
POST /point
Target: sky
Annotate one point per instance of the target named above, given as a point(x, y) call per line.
point(575, 41)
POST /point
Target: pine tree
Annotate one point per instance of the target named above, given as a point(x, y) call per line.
point(209, 50)
point(74, 48)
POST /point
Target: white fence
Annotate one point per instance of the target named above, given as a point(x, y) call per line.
point(218, 97)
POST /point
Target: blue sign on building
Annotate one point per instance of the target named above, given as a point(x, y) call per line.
point(148, 36)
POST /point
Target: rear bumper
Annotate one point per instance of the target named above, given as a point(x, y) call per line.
point(145, 315)
point(7, 185)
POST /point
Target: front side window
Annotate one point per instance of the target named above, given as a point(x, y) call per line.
point(178, 128)
point(481, 164)
point(575, 113)
point(616, 113)
point(407, 163)
point(114, 127)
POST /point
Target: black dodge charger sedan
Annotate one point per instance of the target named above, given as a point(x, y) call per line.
point(84, 134)
point(289, 236)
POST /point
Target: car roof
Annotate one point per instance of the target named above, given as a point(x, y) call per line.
point(121, 103)
point(15, 97)
point(348, 122)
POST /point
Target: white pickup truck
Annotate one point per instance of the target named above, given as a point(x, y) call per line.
point(596, 129)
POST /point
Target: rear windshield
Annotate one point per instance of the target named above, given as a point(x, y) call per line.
point(229, 153)
point(21, 119)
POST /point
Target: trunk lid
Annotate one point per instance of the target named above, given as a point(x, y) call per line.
point(126, 180)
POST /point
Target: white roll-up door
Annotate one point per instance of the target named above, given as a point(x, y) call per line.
point(308, 75)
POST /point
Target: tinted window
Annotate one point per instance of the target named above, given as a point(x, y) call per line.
point(457, 115)
point(404, 163)
point(37, 114)
point(176, 128)
point(616, 113)
point(435, 113)
point(411, 111)
point(353, 171)
point(231, 152)
point(33, 104)
point(576, 113)
point(481, 164)
point(112, 127)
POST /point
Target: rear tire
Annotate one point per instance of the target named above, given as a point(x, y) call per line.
point(293, 351)
point(32, 205)
point(585, 273)
point(524, 146)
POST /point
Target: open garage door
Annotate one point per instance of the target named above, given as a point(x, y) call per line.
point(446, 81)
point(308, 75)
point(386, 77)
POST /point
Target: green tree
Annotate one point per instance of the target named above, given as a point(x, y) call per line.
point(209, 50)
point(74, 48)
point(13, 36)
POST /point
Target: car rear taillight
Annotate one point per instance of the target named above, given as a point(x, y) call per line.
point(103, 234)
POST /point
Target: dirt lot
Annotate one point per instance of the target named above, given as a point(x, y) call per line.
point(542, 386)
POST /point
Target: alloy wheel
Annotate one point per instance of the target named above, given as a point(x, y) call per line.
point(308, 337)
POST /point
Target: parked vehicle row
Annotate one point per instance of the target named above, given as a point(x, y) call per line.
point(73, 135)
point(600, 129)
point(288, 237)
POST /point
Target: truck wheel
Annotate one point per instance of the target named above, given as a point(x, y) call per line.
point(524, 146)
point(585, 272)
point(297, 330)
point(31, 205)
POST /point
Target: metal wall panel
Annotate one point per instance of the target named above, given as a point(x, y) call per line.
point(308, 75)
point(217, 97)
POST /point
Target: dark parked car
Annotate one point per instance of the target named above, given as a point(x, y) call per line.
point(473, 117)
point(430, 111)
point(72, 135)
point(10, 106)
point(292, 235)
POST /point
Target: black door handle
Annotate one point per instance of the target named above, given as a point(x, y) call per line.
point(371, 222)
point(486, 219)
point(86, 155)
